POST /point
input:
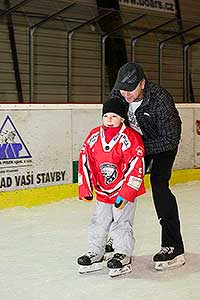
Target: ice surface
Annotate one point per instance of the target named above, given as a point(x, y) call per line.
point(39, 247)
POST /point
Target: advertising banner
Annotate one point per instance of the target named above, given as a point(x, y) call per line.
point(185, 155)
point(35, 148)
point(81, 125)
point(197, 137)
point(166, 6)
point(40, 144)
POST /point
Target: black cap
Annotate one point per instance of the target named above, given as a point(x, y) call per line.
point(115, 105)
point(129, 76)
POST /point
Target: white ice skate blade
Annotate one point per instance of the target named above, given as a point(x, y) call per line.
point(164, 265)
point(91, 268)
point(120, 271)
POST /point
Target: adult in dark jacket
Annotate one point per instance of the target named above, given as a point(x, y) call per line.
point(152, 112)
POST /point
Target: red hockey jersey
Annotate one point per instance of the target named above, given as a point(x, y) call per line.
point(114, 168)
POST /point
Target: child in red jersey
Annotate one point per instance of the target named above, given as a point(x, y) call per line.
point(111, 162)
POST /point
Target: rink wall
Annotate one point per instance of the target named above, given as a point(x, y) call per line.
point(40, 143)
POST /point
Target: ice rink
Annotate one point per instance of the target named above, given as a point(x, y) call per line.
point(39, 247)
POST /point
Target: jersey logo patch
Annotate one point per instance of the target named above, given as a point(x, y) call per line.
point(109, 172)
point(80, 179)
point(139, 151)
point(92, 140)
point(134, 182)
point(125, 142)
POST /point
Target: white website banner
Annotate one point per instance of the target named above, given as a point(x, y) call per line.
point(167, 6)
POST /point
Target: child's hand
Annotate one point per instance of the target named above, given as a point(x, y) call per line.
point(87, 198)
point(120, 202)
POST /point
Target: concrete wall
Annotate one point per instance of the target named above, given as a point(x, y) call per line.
point(40, 144)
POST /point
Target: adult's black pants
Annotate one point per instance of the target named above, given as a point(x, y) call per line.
point(165, 202)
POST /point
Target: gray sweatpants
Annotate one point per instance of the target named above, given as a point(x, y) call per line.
point(117, 222)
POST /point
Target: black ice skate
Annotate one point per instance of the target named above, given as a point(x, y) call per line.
point(169, 257)
point(120, 264)
point(109, 251)
point(90, 262)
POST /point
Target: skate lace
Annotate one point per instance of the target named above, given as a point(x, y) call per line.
point(91, 254)
point(119, 256)
point(109, 242)
point(165, 250)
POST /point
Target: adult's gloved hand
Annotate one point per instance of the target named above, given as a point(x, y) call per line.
point(120, 202)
